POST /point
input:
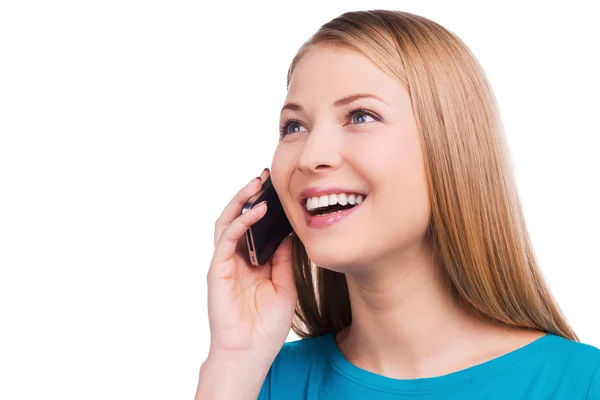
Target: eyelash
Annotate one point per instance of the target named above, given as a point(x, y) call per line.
point(284, 125)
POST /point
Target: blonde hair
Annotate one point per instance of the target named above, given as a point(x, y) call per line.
point(477, 230)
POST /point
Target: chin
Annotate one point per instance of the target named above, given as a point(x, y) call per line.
point(336, 258)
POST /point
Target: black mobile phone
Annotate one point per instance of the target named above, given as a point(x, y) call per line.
point(265, 236)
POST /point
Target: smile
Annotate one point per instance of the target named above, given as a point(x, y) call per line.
point(330, 215)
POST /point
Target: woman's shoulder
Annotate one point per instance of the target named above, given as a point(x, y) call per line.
point(573, 361)
point(302, 356)
point(303, 350)
point(295, 363)
point(573, 351)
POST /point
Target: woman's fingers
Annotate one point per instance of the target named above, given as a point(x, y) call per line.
point(225, 247)
point(234, 207)
point(264, 174)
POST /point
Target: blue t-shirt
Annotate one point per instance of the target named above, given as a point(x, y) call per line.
point(550, 367)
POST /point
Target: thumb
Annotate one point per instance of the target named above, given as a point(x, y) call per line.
point(282, 273)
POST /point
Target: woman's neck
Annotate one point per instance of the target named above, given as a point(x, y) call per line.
point(406, 324)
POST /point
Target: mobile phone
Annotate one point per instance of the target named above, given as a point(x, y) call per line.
point(265, 236)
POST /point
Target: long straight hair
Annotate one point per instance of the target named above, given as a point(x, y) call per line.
point(477, 230)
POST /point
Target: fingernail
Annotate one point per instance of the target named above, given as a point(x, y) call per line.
point(261, 204)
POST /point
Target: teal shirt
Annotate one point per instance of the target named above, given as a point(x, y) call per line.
point(550, 367)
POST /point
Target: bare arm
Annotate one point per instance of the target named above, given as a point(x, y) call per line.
point(231, 378)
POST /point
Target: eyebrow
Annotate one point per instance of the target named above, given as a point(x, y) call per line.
point(341, 102)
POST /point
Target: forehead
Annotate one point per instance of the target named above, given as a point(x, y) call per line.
point(325, 74)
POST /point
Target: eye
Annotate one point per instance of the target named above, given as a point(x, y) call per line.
point(283, 128)
point(358, 111)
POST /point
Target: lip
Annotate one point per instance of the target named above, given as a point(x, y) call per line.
point(317, 191)
point(324, 221)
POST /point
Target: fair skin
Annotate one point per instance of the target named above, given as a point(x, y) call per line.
point(405, 324)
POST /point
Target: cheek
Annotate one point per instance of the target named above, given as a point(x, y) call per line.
point(398, 175)
point(282, 168)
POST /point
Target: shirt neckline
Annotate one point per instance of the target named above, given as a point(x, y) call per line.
point(443, 383)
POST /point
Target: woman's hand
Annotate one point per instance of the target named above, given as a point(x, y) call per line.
point(250, 308)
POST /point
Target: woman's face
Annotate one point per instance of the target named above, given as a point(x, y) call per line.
point(378, 155)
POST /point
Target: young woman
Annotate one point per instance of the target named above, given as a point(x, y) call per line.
point(419, 279)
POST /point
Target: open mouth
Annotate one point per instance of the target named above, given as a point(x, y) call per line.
point(338, 207)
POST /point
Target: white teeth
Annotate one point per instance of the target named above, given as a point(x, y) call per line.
point(332, 199)
point(323, 201)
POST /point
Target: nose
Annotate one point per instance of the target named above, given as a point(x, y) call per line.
point(320, 152)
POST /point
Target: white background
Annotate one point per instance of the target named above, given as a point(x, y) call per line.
point(126, 126)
